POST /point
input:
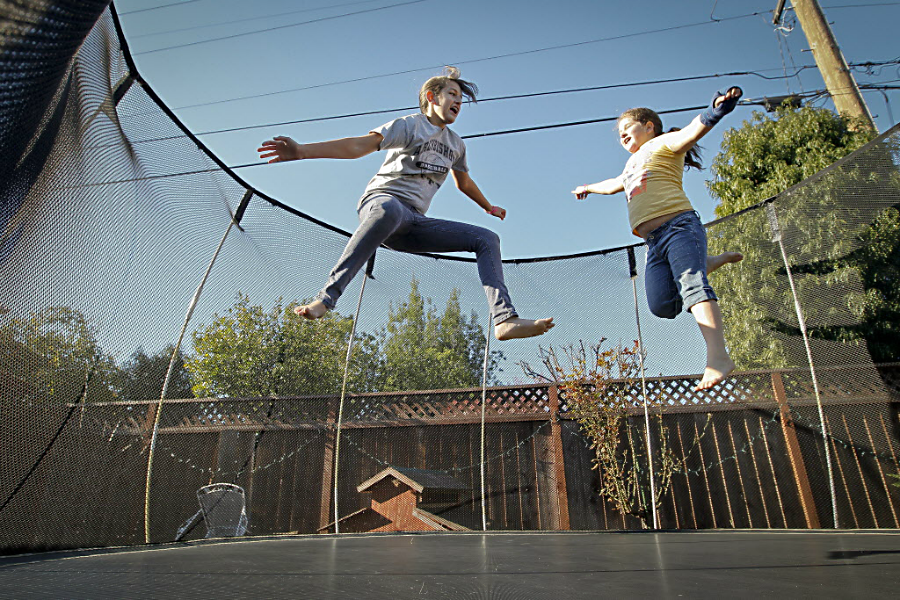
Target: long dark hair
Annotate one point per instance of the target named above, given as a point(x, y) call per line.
point(645, 115)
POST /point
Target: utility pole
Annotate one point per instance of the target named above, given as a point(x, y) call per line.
point(840, 83)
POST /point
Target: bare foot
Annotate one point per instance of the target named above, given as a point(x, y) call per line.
point(715, 374)
point(313, 310)
point(714, 262)
point(522, 328)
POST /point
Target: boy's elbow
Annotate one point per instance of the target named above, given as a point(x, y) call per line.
point(362, 150)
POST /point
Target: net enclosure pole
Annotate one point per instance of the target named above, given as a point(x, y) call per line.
point(484, 374)
point(235, 222)
point(340, 416)
point(632, 269)
point(775, 228)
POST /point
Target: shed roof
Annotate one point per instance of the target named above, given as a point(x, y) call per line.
point(417, 479)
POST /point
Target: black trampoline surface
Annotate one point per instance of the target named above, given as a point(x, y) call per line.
point(702, 564)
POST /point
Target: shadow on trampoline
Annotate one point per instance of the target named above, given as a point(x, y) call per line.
point(571, 565)
point(851, 554)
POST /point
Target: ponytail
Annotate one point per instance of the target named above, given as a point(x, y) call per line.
point(692, 158)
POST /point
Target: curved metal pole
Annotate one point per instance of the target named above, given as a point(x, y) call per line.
point(777, 237)
point(235, 222)
point(487, 351)
point(165, 388)
point(637, 317)
point(337, 437)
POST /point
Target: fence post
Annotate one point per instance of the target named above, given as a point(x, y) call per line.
point(559, 464)
point(798, 466)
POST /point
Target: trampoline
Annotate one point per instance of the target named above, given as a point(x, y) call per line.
point(667, 564)
point(108, 175)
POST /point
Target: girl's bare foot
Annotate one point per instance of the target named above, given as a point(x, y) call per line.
point(715, 373)
point(714, 262)
point(522, 328)
point(313, 310)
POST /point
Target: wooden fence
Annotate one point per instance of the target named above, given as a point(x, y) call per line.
point(751, 455)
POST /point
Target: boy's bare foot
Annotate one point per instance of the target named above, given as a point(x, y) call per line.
point(714, 262)
point(313, 310)
point(522, 328)
point(715, 373)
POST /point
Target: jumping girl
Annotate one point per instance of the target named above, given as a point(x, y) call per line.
point(660, 213)
point(421, 151)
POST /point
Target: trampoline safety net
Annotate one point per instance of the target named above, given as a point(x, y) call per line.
point(148, 348)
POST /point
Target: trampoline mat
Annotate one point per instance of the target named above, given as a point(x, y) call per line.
point(701, 564)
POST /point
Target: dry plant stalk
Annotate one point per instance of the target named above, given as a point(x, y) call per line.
point(600, 387)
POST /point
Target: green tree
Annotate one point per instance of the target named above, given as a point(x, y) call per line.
point(143, 376)
point(425, 351)
point(843, 247)
point(59, 353)
point(251, 352)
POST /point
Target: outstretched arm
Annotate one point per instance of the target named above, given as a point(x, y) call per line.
point(607, 186)
point(683, 140)
point(467, 186)
point(282, 148)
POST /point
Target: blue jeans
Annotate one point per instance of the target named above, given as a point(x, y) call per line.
point(385, 220)
point(675, 275)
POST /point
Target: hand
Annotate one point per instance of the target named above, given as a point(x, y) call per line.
point(282, 148)
point(731, 96)
point(498, 212)
point(721, 105)
point(581, 192)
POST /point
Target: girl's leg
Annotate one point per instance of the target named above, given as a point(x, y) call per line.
point(718, 363)
point(663, 298)
point(682, 244)
point(720, 260)
point(380, 217)
point(438, 235)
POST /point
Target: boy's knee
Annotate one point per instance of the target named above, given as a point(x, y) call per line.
point(491, 238)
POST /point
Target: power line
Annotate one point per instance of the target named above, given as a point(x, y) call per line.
point(862, 5)
point(247, 20)
point(478, 60)
point(496, 98)
point(538, 94)
point(511, 97)
point(573, 123)
point(141, 10)
point(509, 55)
point(867, 64)
point(749, 102)
point(524, 129)
point(237, 35)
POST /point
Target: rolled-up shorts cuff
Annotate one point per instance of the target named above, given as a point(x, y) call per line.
point(697, 296)
point(326, 300)
point(503, 316)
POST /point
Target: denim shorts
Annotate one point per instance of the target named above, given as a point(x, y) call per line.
point(675, 275)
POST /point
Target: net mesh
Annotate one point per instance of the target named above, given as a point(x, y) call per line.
point(112, 216)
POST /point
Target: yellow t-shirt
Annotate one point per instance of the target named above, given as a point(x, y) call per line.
point(652, 181)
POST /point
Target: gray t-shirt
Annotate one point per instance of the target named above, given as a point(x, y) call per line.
point(418, 159)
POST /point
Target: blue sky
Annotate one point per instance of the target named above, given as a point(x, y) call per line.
point(279, 61)
point(319, 58)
